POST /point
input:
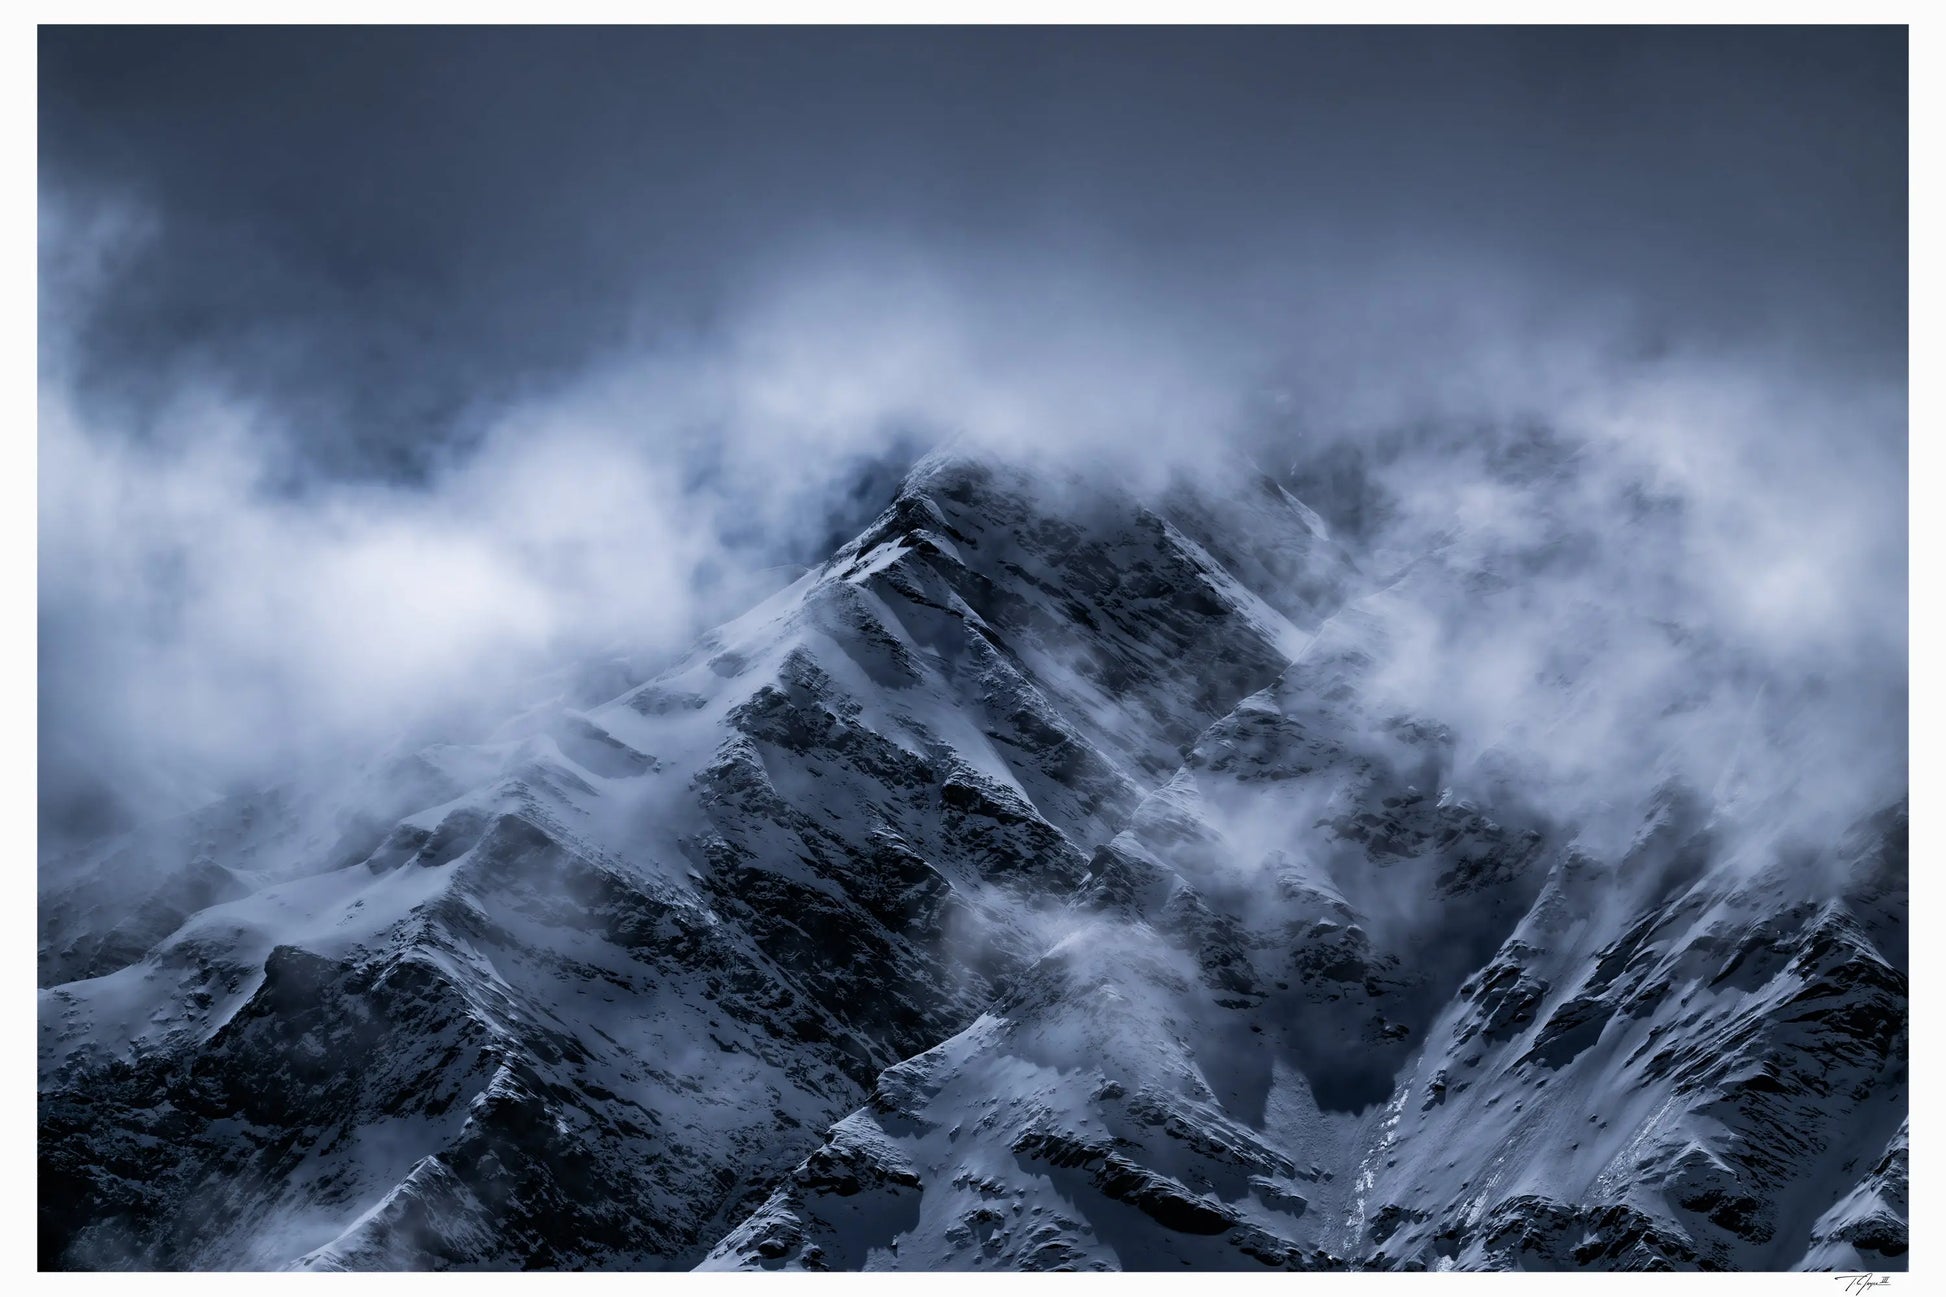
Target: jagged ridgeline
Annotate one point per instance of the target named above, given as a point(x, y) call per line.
point(1037, 883)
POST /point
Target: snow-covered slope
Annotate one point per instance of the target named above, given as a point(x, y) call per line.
point(1314, 1013)
point(1041, 882)
point(601, 982)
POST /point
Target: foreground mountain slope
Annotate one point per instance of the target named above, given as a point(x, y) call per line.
point(1313, 1012)
point(601, 982)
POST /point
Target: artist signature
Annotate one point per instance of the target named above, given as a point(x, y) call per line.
point(1858, 1283)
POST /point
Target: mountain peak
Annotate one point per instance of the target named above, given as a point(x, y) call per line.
point(1038, 882)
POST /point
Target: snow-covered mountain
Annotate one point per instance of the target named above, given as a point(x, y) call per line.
point(1043, 881)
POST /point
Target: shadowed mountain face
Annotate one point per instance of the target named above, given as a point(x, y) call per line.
point(1040, 882)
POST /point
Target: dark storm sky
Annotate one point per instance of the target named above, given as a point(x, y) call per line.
point(383, 229)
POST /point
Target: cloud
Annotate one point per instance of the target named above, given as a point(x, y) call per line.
point(1561, 375)
point(1688, 568)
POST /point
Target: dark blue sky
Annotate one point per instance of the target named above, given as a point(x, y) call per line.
point(385, 231)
